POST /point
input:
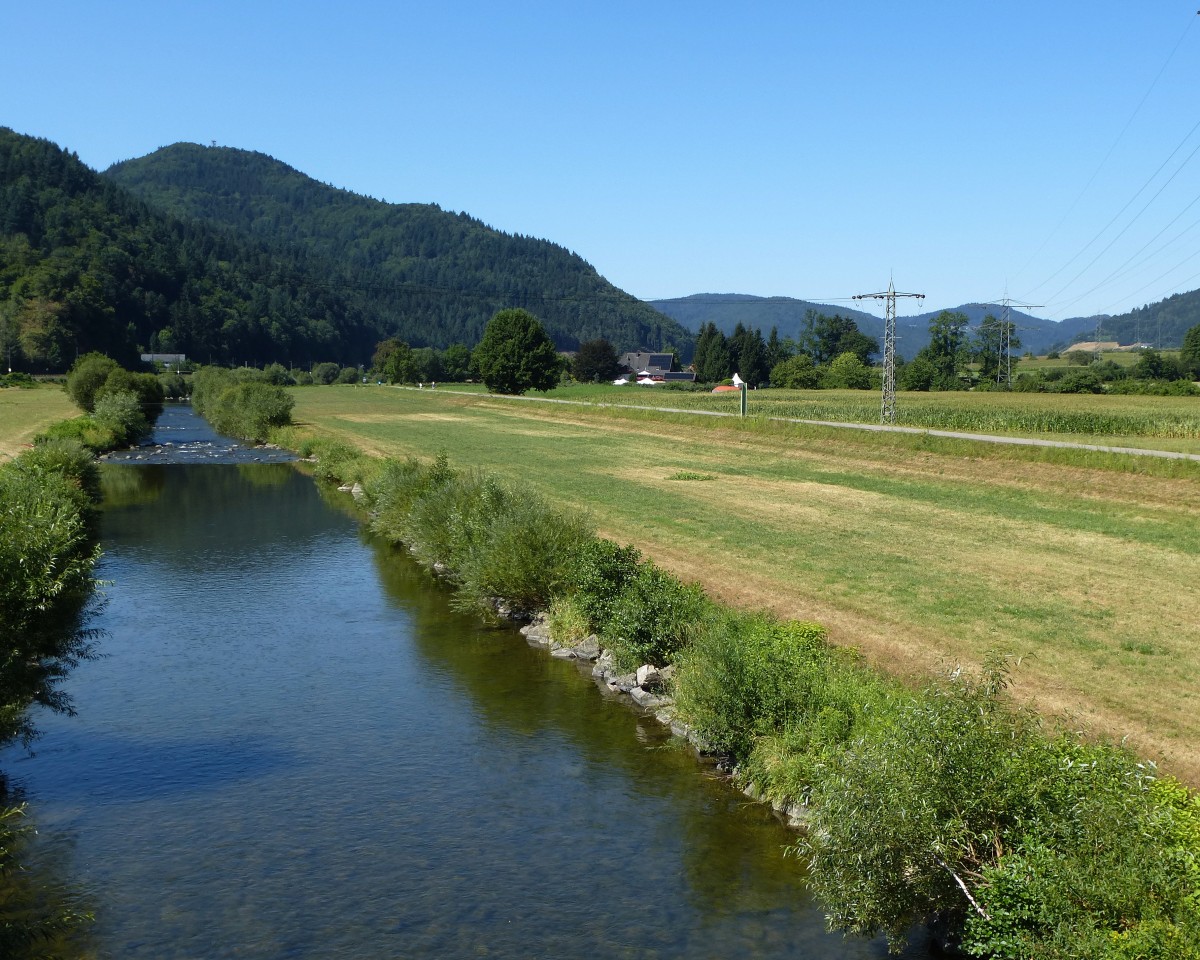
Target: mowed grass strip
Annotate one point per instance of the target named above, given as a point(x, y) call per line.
point(918, 554)
point(26, 412)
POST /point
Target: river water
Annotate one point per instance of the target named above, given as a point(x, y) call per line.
point(293, 748)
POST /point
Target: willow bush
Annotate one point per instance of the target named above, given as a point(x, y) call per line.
point(241, 403)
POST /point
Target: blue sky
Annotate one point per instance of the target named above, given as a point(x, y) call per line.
point(1041, 150)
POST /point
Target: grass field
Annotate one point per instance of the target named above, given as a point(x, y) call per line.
point(919, 551)
point(23, 413)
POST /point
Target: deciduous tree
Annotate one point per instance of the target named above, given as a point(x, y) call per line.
point(516, 354)
point(595, 362)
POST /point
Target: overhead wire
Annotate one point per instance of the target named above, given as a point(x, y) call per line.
point(1095, 173)
point(1136, 216)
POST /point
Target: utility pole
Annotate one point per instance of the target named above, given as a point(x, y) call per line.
point(887, 412)
point(1006, 328)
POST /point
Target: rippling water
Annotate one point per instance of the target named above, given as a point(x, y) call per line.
point(293, 748)
point(182, 437)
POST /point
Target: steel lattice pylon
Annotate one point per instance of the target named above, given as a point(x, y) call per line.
point(887, 413)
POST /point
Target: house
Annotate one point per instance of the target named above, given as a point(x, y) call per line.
point(168, 360)
point(656, 366)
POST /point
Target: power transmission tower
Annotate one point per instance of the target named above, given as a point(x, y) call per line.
point(887, 413)
point(1004, 365)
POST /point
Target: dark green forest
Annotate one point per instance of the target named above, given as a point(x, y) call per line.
point(437, 276)
point(86, 266)
point(305, 273)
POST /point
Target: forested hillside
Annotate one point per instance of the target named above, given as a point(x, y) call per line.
point(438, 276)
point(1161, 324)
point(86, 266)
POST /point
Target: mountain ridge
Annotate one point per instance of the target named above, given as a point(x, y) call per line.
point(441, 274)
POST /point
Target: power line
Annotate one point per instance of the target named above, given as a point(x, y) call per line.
point(1107, 156)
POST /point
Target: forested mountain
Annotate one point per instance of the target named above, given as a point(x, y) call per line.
point(86, 266)
point(437, 276)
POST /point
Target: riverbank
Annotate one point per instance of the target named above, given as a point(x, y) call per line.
point(914, 551)
point(947, 803)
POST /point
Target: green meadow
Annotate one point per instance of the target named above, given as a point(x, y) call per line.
point(26, 412)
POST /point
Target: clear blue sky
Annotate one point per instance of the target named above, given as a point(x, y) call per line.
point(804, 149)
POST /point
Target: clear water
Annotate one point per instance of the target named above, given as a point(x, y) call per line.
point(293, 748)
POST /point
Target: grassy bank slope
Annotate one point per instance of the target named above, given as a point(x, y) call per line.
point(24, 413)
point(914, 550)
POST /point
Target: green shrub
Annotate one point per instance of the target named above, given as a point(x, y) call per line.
point(47, 553)
point(397, 486)
point(567, 622)
point(522, 553)
point(847, 372)
point(278, 375)
point(174, 386)
point(796, 373)
point(748, 675)
point(249, 410)
point(145, 386)
point(325, 373)
point(338, 461)
point(652, 618)
point(1107, 866)
point(603, 570)
point(86, 377)
point(83, 430)
point(121, 412)
point(906, 816)
point(69, 459)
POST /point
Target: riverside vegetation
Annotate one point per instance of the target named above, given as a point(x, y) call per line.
point(48, 551)
point(949, 804)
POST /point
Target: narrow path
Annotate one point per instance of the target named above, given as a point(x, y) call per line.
point(872, 427)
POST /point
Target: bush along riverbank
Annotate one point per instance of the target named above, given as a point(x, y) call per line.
point(240, 403)
point(947, 806)
point(48, 551)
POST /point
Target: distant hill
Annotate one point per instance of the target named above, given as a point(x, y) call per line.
point(727, 310)
point(437, 276)
point(84, 265)
point(1161, 324)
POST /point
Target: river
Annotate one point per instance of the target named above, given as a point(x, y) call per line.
point(293, 748)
